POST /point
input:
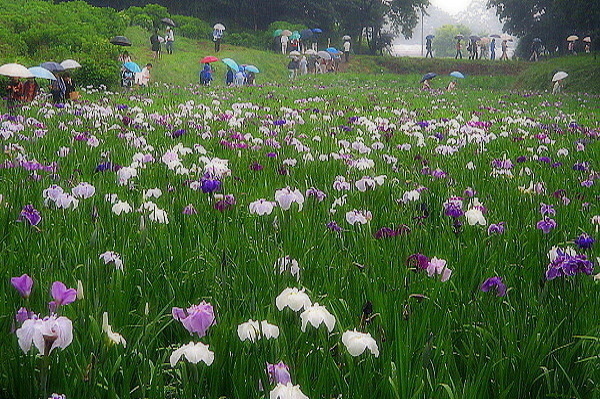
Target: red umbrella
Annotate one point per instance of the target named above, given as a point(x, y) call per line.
point(209, 59)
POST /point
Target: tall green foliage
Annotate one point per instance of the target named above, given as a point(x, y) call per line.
point(444, 44)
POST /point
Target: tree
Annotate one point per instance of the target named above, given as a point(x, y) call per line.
point(550, 20)
point(444, 43)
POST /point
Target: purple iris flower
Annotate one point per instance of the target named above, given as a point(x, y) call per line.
point(497, 228)
point(585, 241)
point(22, 315)
point(521, 159)
point(333, 226)
point(271, 154)
point(197, 318)
point(581, 166)
point(546, 225)
point(178, 133)
point(568, 265)
point(62, 295)
point(210, 185)
point(547, 209)
point(226, 203)
point(279, 373)
point(22, 284)
point(30, 214)
point(315, 192)
point(256, 166)
point(418, 261)
point(279, 122)
point(494, 283)
point(189, 210)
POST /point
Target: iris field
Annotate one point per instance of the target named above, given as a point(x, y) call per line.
point(447, 238)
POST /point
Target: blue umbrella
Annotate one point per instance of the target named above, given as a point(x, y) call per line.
point(332, 50)
point(231, 64)
point(429, 37)
point(428, 76)
point(132, 66)
point(457, 74)
point(316, 30)
point(252, 68)
point(52, 66)
point(42, 73)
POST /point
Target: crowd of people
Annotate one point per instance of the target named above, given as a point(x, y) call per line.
point(24, 91)
point(239, 77)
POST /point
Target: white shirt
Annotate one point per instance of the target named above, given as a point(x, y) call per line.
point(346, 46)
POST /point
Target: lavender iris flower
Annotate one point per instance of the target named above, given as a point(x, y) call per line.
point(568, 265)
point(30, 214)
point(197, 318)
point(497, 228)
point(279, 373)
point(22, 284)
point(546, 225)
point(494, 283)
point(62, 295)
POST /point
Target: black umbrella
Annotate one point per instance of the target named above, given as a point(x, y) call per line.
point(120, 41)
point(495, 36)
point(459, 37)
point(429, 37)
point(52, 66)
point(474, 37)
point(168, 21)
point(428, 76)
point(306, 34)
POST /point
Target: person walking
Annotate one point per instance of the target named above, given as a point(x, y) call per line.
point(284, 43)
point(458, 49)
point(428, 46)
point(169, 40)
point(474, 47)
point(155, 43)
point(504, 55)
point(493, 49)
point(534, 51)
point(229, 76)
point(217, 37)
point(206, 75)
point(293, 67)
point(303, 64)
point(346, 48)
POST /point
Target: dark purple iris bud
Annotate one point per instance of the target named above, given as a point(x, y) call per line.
point(494, 283)
point(333, 226)
point(584, 241)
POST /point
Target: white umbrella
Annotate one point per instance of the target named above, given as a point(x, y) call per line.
point(560, 75)
point(219, 27)
point(286, 32)
point(295, 53)
point(70, 64)
point(324, 54)
point(346, 38)
point(572, 38)
point(15, 71)
point(587, 39)
point(310, 52)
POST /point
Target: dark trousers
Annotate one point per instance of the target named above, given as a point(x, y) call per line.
point(458, 54)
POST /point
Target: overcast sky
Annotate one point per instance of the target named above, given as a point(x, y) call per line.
point(451, 6)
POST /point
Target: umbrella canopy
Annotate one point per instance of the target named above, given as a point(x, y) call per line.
point(15, 71)
point(42, 73)
point(537, 40)
point(332, 50)
point(120, 41)
point(132, 66)
point(295, 36)
point(346, 38)
point(495, 36)
point(310, 52)
point(460, 37)
point(306, 34)
point(560, 75)
point(428, 76)
point(587, 39)
point(316, 30)
point(252, 68)
point(70, 64)
point(277, 32)
point(572, 38)
point(508, 38)
point(286, 32)
point(208, 59)
point(219, 27)
point(324, 54)
point(456, 74)
point(429, 37)
point(52, 66)
point(168, 21)
point(474, 37)
point(295, 53)
point(231, 64)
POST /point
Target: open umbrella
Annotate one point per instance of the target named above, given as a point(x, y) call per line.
point(231, 64)
point(332, 50)
point(208, 59)
point(428, 76)
point(277, 32)
point(429, 37)
point(132, 66)
point(587, 39)
point(42, 73)
point(219, 27)
point(286, 32)
point(52, 66)
point(251, 68)
point(560, 75)
point(495, 36)
point(316, 30)
point(572, 38)
point(310, 52)
point(15, 71)
point(168, 21)
point(474, 37)
point(295, 36)
point(456, 74)
point(324, 54)
point(306, 34)
point(537, 40)
point(346, 38)
point(120, 41)
point(508, 38)
point(70, 64)
point(459, 37)
point(295, 53)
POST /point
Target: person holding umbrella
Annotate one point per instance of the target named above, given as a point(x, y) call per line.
point(504, 55)
point(169, 40)
point(155, 43)
point(535, 49)
point(14, 90)
point(428, 45)
point(493, 49)
point(218, 36)
point(458, 48)
point(346, 48)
